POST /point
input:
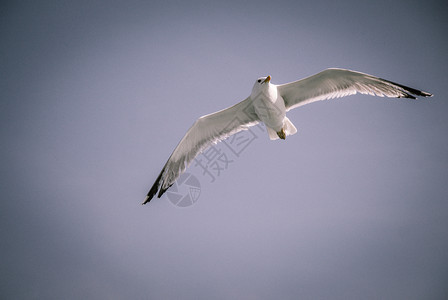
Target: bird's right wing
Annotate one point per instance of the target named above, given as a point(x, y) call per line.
point(205, 131)
point(336, 83)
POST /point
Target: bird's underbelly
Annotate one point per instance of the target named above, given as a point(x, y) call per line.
point(271, 113)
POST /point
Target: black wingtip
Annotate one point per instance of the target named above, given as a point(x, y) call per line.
point(163, 190)
point(408, 96)
point(410, 91)
point(414, 92)
point(154, 188)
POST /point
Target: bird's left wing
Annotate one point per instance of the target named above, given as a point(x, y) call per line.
point(205, 131)
point(336, 83)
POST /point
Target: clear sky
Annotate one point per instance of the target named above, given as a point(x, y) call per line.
point(95, 95)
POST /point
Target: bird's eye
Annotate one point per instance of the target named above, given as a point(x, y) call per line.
point(259, 80)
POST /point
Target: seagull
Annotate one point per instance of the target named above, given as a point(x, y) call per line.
point(268, 103)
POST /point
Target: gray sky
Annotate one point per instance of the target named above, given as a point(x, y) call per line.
point(95, 95)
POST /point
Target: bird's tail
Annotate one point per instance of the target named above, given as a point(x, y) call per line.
point(288, 127)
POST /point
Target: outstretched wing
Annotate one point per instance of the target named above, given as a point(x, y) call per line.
point(336, 83)
point(205, 131)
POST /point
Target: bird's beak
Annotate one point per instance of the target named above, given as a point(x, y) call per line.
point(267, 79)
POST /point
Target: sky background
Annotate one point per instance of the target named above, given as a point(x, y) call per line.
point(95, 95)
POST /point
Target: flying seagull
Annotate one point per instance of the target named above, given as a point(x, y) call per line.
point(268, 103)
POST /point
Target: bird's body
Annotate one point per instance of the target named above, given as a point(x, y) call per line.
point(269, 106)
point(268, 103)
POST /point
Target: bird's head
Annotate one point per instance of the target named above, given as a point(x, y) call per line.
point(260, 85)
